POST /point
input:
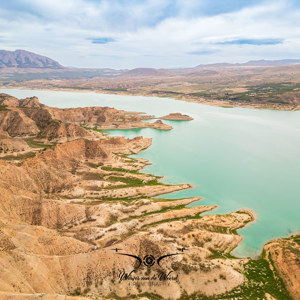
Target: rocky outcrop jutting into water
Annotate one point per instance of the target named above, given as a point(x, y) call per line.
point(73, 209)
point(34, 122)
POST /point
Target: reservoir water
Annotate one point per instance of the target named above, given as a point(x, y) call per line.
point(236, 157)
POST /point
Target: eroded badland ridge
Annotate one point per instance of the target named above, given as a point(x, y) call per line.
point(73, 203)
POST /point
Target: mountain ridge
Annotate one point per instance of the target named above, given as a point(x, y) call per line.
point(259, 62)
point(23, 59)
point(26, 59)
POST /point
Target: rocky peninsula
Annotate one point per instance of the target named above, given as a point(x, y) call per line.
point(77, 217)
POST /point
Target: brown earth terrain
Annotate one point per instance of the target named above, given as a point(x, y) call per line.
point(28, 122)
point(76, 215)
point(260, 84)
point(284, 256)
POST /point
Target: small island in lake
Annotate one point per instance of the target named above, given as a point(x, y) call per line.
point(176, 117)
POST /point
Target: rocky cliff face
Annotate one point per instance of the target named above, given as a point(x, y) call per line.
point(62, 132)
point(26, 125)
point(28, 117)
point(8, 100)
point(284, 256)
point(31, 102)
point(16, 123)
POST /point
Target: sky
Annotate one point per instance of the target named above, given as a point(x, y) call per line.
point(126, 34)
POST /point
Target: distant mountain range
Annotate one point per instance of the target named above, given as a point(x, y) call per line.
point(22, 59)
point(261, 62)
point(26, 59)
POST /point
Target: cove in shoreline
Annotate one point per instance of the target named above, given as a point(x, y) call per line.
point(236, 158)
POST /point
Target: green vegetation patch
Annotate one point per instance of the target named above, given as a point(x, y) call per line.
point(208, 227)
point(163, 210)
point(165, 199)
point(98, 200)
point(203, 95)
point(3, 107)
point(130, 182)
point(296, 239)
point(20, 156)
point(262, 93)
point(197, 216)
point(94, 129)
point(110, 169)
point(217, 254)
point(116, 90)
point(165, 92)
point(34, 144)
point(260, 279)
point(269, 92)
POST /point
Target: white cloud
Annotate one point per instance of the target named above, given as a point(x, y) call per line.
point(145, 35)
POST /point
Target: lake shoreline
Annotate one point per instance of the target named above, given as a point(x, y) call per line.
point(172, 138)
point(102, 200)
point(203, 101)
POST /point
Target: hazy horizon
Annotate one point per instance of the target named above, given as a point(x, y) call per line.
point(170, 68)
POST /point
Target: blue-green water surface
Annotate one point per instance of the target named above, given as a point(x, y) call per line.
point(236, 157)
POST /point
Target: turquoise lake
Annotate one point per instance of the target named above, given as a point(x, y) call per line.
point(235, 157)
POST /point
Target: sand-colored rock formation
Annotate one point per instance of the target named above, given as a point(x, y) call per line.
point(8, 100)
point(28, 117)
point(61, 217)
point(16, 123)
point(60, 132)
point(69, 214)
point(177, 117)
point(284, 256)
point(13, 145)
point(11, 101)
